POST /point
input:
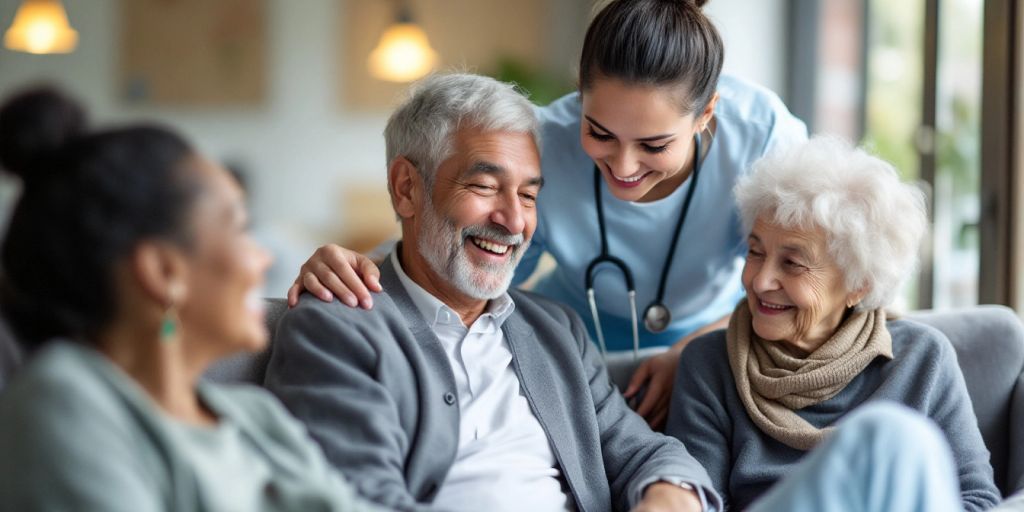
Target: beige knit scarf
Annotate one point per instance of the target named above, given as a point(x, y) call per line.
point(773, 382)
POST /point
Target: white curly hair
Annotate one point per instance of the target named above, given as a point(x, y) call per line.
point(873, 222)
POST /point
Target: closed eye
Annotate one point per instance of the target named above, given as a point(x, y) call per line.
point(600, 137)
point(654, 149)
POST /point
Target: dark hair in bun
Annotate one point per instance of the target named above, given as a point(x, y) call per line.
point(88, 200)
point(655, 42)
point(34, 124)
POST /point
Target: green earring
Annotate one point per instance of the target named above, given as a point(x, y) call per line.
point(169, 324)
point(169, 327)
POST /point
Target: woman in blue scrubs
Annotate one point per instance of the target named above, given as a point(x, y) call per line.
point(645, 156)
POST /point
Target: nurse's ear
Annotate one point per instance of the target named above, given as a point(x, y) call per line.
point(702, 121)
point(405, 187)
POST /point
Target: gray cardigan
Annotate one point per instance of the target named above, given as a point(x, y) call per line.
point(744, 462)
point(376, 390)
point(76, 433)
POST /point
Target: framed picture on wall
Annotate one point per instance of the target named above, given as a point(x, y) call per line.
point(193, 52)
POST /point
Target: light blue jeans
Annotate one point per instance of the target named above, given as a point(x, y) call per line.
point(882, 457)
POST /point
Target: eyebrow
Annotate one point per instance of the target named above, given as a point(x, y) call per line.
point(799, 249)
point(641, 139)
point(484, 167)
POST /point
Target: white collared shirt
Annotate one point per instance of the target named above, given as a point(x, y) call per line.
point(504, 460)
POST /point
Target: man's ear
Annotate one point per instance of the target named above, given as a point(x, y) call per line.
point(161, 270)
point(406, 187)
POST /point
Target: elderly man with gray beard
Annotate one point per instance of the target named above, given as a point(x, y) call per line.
point(453, 392)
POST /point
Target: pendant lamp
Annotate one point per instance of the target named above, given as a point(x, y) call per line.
point(403, 53)
point(41, 26)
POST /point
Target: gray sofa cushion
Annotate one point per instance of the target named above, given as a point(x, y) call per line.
point(989, 343)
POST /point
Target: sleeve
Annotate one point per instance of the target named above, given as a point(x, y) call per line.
point(62, 451)
point(697, 414)
point(633, 454)
point(323, 368)
point(950, 406)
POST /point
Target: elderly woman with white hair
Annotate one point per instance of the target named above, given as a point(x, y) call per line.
point(833, 234)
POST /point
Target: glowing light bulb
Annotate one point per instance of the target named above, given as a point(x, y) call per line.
point(402, 55)
point(41, 26)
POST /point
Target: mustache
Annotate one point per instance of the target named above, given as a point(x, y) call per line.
point(494, 233)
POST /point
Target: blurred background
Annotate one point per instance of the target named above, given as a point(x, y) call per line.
point(293, 95)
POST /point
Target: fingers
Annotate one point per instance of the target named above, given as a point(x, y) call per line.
point(335, 282)
point(336, 271)
point(370, 273)
point(640, 376)
point(312, 285)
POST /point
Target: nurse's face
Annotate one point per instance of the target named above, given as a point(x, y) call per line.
point(638, 138)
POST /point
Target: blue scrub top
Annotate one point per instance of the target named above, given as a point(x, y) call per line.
point(703, 284)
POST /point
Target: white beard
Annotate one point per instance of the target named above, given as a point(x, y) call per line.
point(442, 245)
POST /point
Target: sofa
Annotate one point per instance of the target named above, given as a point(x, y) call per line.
point(989, 342)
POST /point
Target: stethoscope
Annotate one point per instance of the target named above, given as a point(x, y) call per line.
point(657, 316)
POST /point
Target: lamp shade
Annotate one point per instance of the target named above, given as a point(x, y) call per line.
point(402, 55)
point(41, 26)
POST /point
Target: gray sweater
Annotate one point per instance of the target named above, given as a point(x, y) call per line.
point(706, 412)
point(78, 434)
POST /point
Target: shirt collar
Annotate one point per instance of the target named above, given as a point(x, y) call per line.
point(436, 312)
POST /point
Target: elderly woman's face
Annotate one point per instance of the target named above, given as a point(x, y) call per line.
point(795, 291)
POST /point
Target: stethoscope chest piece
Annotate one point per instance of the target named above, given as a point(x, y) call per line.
point(657, 317)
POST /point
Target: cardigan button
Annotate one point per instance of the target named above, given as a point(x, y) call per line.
point(449, 398)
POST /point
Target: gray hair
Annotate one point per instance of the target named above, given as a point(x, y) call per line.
point(873, 222)
point(421, 128)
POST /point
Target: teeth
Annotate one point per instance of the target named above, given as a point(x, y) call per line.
point(773, 306)
point(490, 246)
point(632, 179)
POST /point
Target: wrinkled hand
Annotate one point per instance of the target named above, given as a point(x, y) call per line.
point(336, 271)
point(656, 374)
point(661, 496)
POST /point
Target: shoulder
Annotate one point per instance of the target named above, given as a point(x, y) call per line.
point(562, 156)
point(563, 112)
point(62, 376)
point(60, 400)
point(535, 306)
point(313, 316)
point(756, 113)
point(706, 355)
point(551, 319)
point(754, 103)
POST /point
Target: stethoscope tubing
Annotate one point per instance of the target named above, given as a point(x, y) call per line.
point(627, 274)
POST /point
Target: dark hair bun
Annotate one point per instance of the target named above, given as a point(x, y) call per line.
point(35, 124)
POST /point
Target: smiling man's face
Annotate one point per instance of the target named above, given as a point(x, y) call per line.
point(475, 224)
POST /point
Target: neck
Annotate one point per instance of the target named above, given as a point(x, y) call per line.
point(162, 369)
point(416, 267)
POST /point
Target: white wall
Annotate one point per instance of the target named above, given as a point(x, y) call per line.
point(301, 147)
point(753, 32)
